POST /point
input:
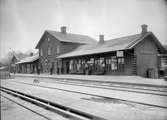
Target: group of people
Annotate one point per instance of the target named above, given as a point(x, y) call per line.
point(39, 70)
point(87, 69)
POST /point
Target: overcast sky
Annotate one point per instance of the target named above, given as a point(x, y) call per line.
point(22, 22)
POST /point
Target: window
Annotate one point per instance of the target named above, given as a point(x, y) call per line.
point(121, 62)
point(91, 60)
point(102, 62)
point(76, 65)
point(49, 51)
point(41, 52)
point(163, 62)
point(114, 64)
point(58, 49)
point(108, 64)
point(71, 65)
point(79, 65)
point(83, 64)
point(48, 39)
point(97, 64)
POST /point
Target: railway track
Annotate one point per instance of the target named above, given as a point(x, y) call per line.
point(118, 88)
point(101, 83)
point(110, 84)
point(68, 112)
point(24, 106)
point(79, 92)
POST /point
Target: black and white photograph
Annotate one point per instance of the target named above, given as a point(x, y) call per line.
point(83, 59)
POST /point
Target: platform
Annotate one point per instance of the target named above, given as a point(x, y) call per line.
point(134, 80)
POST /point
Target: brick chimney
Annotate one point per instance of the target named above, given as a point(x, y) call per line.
point(144, 29)
point(63, 30)
point(101, 39)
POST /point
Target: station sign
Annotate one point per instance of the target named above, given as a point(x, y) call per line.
point(120, 53)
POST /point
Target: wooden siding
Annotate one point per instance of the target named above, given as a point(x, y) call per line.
point(146, 52)
point(49, 61)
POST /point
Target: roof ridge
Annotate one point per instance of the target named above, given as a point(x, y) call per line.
point(128, 43)
point(140, 38)
point(123, 37)
point(71, 37)
point(69, 33)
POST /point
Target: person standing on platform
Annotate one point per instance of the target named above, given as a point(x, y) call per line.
point(38, 69)
point(103, 67)
point(86, 69)
point(51, 68)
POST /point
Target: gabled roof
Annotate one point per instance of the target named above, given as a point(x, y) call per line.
point(122, 43)
point(69, 37)
point(29, 59)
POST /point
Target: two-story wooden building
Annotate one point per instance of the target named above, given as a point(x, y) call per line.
point(55, 43)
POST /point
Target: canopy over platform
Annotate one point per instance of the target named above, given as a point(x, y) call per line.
point(29, 59)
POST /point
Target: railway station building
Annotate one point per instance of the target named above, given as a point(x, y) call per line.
point(61, 52)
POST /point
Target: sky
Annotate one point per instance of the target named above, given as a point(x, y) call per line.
point(22, 22)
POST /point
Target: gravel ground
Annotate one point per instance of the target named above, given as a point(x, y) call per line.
point(12, 111)
point(107, 108)
point(124, 95)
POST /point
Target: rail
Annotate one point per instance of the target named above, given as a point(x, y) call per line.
point(58, 108)
point(79, 92)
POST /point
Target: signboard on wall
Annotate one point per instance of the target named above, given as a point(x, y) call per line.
point(164, 62)
point(120, 53)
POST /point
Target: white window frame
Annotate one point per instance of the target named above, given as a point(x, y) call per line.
point(114, 63)
point(49, 51)
point(41, 52)
point(48, 39)
point(58, 49)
